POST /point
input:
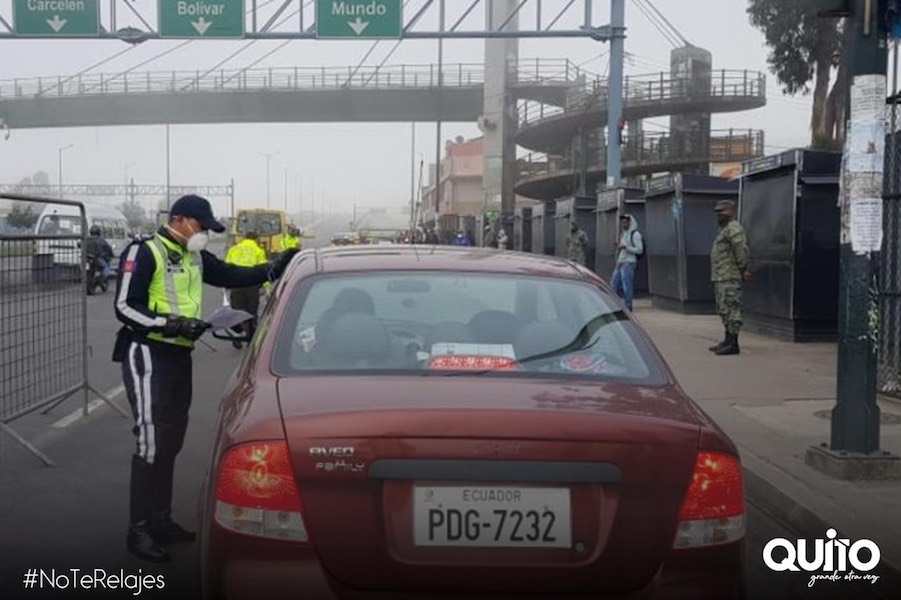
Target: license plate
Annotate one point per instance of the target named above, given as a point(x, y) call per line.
point(491, 516)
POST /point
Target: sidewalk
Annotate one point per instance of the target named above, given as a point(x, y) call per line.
point(775, 400)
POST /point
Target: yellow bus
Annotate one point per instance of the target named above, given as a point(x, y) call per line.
point(270, 224)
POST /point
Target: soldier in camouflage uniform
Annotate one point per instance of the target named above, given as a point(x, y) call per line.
point(576, 244)
point(728, 269)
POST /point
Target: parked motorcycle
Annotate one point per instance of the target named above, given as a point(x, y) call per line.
point(94, 276)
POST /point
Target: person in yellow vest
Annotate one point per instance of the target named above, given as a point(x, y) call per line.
point(292, 238)
point(246, 253)
point(159, 301)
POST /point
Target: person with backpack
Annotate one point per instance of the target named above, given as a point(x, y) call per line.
point(631, 248)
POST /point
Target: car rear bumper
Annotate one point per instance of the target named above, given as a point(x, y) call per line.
point(237, 567)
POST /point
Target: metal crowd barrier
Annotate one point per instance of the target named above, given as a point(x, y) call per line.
point(43, 316)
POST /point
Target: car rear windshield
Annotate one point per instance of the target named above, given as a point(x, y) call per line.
point(445, 323)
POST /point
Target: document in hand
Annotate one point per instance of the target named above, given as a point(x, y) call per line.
point(226, 317)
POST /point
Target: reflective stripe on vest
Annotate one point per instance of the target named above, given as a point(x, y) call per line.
point(176, 287)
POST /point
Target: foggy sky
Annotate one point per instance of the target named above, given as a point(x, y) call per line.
point(369, 164)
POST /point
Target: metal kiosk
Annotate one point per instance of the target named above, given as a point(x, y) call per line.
point(543, 228)
point(611, 204)
point(582, 209)
point(680, 230)
point(522, 229)
point(789, 208)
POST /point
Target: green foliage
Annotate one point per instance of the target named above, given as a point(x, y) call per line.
point(798, 39)
point(134, 214)
point(22, 216)
point(806, 48)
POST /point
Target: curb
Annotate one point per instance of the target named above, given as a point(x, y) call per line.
point(783, 509)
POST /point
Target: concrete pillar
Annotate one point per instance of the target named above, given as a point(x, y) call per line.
point(499, 119)
point(691, 69)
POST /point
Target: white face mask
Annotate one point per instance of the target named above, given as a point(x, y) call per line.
point(198, 241)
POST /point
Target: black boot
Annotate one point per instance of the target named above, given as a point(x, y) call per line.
point(716, 347)
point(731, 346)
point(166, 530)
point(140, 542)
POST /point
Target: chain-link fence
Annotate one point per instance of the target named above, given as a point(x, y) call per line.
point(889, 367)
point(43, 310)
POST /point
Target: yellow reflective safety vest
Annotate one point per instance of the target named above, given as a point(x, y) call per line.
point(291, 242)
point(177, 285)
point(246, 253)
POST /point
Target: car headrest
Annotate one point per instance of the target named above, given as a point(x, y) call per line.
point(495, 326)
point(355, 337)
point(353, 300)
point(542, 337)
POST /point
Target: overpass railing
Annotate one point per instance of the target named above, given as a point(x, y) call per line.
point(650, 152)
point(526, 72)
point(652, 89)
point(44, 346)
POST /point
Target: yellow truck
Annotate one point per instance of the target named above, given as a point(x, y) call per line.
point(271, 225)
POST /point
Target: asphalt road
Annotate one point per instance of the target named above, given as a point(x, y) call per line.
point(75, 515)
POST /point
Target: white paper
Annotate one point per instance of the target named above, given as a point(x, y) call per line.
point(225, 317)
point(866, 148)
point(451, 349)
point(868, 95)
point(866, 225)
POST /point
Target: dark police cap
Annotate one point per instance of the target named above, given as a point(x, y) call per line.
point(724, 205)
point(197, 208)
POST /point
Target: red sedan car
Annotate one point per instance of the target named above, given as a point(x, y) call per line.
point(416, 422)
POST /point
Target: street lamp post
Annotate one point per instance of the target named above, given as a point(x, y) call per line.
point(60, 165)
point(268, 156)
point(126, 169)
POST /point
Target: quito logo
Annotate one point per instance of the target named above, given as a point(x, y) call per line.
point(833, 555)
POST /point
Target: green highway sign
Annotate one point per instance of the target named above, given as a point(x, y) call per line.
point(359, 19)
point(201, 18)
point(65, 18)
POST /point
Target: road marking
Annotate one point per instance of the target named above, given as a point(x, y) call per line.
point(92, 405)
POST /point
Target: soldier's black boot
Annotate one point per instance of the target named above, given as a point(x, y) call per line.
point(731, 346)
point(716, 347)
point(140, 542)
point(165, 530)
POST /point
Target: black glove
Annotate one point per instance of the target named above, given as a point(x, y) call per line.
point(282, 261)
point(184, 327)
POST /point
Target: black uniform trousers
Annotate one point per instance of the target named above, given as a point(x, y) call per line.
point(158, 381)
point(246, 299)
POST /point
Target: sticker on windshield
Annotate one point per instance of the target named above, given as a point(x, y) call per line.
point(453, 349)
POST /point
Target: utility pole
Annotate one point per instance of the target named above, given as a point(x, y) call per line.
point(60, 165)
point(268, 177)
point(853, 451)
point(438, 123)
point(615, 91)
point(168, 172)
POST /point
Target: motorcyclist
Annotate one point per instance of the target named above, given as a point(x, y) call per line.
point(100, 251)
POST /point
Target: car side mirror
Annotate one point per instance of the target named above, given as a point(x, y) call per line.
point(230, 335)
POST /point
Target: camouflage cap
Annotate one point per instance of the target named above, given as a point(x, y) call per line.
point(724, 205)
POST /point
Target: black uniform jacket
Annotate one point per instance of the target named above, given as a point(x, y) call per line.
point(136, 271)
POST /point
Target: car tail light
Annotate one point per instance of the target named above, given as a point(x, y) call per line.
point(460, 362)
point(256, 492)
point(713, 510)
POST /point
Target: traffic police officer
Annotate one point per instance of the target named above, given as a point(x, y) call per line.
point(729, 261)
point(159, 300)
point(246, 253)
point(292, 238)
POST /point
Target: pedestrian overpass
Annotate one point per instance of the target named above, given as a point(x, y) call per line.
point(399, 93)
